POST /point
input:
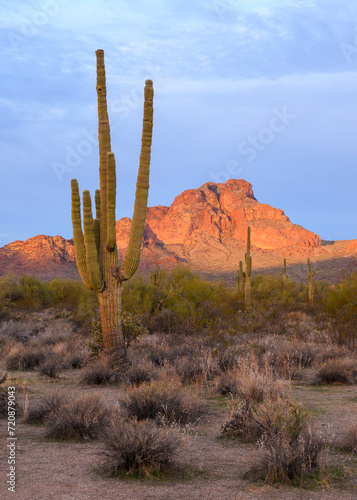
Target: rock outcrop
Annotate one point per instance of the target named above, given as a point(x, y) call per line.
point(205, 228)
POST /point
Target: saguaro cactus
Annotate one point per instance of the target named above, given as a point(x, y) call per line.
point(96, 250)
point(248, 273)
point(284, 275)
point(312, 287)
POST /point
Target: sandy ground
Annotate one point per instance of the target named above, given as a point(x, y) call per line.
point(211, 467)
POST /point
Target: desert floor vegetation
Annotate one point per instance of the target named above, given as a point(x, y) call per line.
point(215, 401)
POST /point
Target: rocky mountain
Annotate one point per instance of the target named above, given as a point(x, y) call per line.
point(205, 228)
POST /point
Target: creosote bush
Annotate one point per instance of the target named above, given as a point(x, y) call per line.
point(81, 418)
point(139, 446)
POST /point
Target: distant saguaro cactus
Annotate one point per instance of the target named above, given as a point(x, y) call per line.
point(284, 275)
point(156, 275)
point(96, 250)
point(248, 273)
point(312, 286)
point(240, 278)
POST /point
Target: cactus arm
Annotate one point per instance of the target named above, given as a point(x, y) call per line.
point(111, 193)
point(132, 256)
point(97, 203)
point(80, 250)
point(91, 248)
point(104, 146)
point(96, 222)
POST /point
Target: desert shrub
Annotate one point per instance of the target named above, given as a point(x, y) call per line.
point(251, 421)
point(18, 331)
point(156, 348)
point(100, 372)
point(77, 359)
point(52, 365)
point(141, 371)
point(342, 370)
point(139, 446)
point(286, 357)
point(288, 449)
point(227, 357)
point(47, 405)
point(25, 357)
point(197, 365)
point(35, 294)
point(54, 333)
point(348, 441)
point(241, 422)
point(251, 385)
point(82, 418)
point(163, 397)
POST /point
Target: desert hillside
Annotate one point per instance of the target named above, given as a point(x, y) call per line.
point(205, 228)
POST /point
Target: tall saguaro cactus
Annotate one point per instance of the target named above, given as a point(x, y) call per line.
point(284, 274)
point(312, 286)
point(248, 272)
point(96, 249)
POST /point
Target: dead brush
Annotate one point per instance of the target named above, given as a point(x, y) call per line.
point(49, 404)
point(152, 399)
point(287, 358)
point(78, 419)
point(251, 384)
point(200, 364)
point(52, 365)
point(348, 440)
point(288, 448)
point(141, 371)
point(139, 446)
point(341, 370)
point(27, 357)
point(100, 372)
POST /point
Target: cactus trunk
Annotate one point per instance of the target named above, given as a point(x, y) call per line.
point(311, 283)
point(248, 273)
point(96, 250)
point(284, 275)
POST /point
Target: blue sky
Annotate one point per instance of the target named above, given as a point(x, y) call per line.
point(259, 90)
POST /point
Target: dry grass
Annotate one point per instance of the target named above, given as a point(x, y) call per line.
point(165, 397)
point(341, 370)
point(251, 384)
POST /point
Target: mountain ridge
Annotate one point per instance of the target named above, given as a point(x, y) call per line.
point(205, 228)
